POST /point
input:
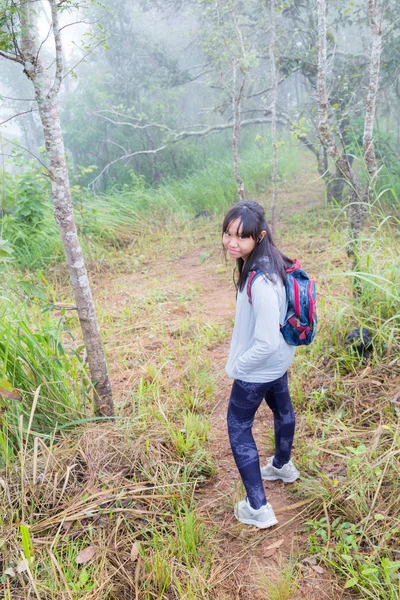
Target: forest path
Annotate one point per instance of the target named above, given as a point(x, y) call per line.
point(256, 557)
point(253, 558)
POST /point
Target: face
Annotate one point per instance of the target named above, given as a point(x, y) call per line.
point(236, 245)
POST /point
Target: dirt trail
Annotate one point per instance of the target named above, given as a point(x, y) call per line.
point(246, 548)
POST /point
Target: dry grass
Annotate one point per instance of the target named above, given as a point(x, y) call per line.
point(111, 487)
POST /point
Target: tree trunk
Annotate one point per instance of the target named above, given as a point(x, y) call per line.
point(336, 183)
point(274, 89)
point(236, 102)
point(368, 143)
point(46, 97)
point(357, 208)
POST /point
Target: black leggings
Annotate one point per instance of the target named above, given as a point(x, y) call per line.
point(243, 404)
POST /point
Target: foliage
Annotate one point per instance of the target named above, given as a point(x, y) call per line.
point(348, 413)
point(26, 191)
point(131, 209)
point(37, 351)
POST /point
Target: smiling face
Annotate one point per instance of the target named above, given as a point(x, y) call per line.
point(236, 245)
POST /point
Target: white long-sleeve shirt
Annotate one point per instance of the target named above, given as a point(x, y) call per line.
point(258, 352)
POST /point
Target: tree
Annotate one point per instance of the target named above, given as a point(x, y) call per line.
point(21, 45)
point(274, 87)
point(358, 198)
point(370, 109)
point(347, 82)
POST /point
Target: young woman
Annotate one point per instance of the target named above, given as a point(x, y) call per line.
point(259, 359)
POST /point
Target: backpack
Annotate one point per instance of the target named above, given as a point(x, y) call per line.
point(300, 324)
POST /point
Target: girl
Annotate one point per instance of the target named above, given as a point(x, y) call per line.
point(259, 359)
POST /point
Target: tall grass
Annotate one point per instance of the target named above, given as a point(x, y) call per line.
point(127, 211)
point(33, 354)
point(347, 404)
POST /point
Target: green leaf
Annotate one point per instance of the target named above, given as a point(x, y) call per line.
point(5, 249)
point(26, 541)
point(84, 577)
point(351, 583)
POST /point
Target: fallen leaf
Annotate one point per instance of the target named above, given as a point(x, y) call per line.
point(271, 549)
point(395, 398)
point(86, 555)
point(10, 572)
point(9, 395)
point(134, 552)
point(310, 560)
point(318, 569)
point(22, 566)
point(375, 382)
point(379, 517)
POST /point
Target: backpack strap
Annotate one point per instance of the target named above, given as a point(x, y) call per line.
point(296, 265)
point(250, 280)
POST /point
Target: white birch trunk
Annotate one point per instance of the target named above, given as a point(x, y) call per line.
point(274, 87)
point(46, 97)
point(236, 105)
point(370, 109)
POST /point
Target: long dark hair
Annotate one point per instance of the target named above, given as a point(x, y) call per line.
point(265, 257)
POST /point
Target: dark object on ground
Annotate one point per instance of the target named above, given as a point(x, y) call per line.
point(203, 214)
point(360, 342)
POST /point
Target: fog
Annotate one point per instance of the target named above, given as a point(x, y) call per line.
point(138, 74)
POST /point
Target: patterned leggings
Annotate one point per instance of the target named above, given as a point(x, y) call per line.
point(243, 404)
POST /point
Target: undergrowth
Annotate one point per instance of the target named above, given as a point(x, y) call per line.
point(347, 400)
point(108, 510)
point(113, 220)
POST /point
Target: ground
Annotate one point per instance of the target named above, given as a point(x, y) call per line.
point(256, 557)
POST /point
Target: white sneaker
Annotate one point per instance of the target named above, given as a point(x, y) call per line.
point(288, 473)
point(262, 518)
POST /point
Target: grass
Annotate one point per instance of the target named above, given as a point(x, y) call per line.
point(348, 436)
point(128, 490)
point(111, 221)
point(285, 586)
point(130, 484)
point(37, 354)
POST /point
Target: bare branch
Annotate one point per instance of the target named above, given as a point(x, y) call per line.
point(84, 57)
point(18, 115)
point(17, 59)
point(133, 125)
point(184, 135)
point(79, 22)
point(18, 99)
point(58, 44)
point(118, 146)
point(29, 152)
point(43, 42)
point(125, 157)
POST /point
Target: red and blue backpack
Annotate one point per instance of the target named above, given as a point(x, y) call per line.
point(300, 324)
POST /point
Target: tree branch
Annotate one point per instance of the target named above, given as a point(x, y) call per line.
point(18, 115)
point(82, 59)
point(182, 135)
point(18, 99)
point(58, 44)
point(29, 152)
point(133, 125)
point(13, 58)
